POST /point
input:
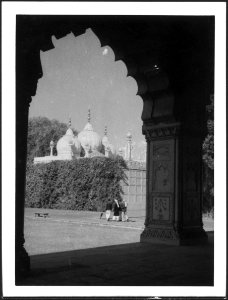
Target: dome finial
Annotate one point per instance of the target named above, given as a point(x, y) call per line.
point(129, 136)
point(89, 115)
point(69, 124)
point(105, 131)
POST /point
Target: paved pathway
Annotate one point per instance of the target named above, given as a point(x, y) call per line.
point(130, 264)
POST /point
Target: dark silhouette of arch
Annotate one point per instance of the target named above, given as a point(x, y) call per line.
point(172, 61)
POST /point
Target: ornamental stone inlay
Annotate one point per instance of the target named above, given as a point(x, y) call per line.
point(158, 233)
point(156, 132)
point(161, 177)
point(161, 207)
point(161, 152)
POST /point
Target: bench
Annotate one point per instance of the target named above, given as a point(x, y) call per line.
point(44, 215)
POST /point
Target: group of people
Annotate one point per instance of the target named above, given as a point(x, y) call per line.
point(119, 209)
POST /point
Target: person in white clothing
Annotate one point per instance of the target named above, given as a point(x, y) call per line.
point(116, 209)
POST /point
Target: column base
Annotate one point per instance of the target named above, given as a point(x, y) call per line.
point(170, 236)
point(22, 264)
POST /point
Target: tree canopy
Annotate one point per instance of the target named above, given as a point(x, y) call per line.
point(208, 145)
point(41, 131)
point(208, 158)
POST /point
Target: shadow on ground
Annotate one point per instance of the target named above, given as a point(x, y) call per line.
point(135, 264)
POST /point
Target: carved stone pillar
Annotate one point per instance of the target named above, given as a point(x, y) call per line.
point(174, 213)
point(22, 261)
point(174, 163)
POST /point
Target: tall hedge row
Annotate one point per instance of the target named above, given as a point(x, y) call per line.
point(84, 184)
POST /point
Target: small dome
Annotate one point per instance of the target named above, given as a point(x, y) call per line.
point(68, 145)
point(129, 135)
point(69, 132)
point(120, 150)
point(89, 139)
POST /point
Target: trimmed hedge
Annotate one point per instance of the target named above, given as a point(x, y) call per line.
point(83, 184)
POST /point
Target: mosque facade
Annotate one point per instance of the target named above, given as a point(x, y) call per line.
point(70, 147)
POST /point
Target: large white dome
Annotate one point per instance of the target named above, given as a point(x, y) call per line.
point(89, 139)
point(68, 146)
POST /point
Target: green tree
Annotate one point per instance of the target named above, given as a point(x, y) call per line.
point(208, 158)
point(41, 131)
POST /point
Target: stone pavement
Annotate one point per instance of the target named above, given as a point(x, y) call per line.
point(133, 264)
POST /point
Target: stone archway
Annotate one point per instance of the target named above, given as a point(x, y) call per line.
point(174, 95)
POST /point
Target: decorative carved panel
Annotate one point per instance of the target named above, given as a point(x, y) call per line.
point(160, 233)
point(162, 166)
point(163, 131)
point(161, 152)
point(161, 176)
point(161, 208)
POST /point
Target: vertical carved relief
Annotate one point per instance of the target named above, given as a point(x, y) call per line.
point(161, 207)
point(161, 182)
point(161, 177)
point(161, 152)
point(161, 169)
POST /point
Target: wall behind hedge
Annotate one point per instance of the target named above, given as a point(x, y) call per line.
point(83, 184)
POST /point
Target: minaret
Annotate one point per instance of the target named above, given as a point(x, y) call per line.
point(106, 143)
point(129, 146)
point(51, 146)
point(69, 124)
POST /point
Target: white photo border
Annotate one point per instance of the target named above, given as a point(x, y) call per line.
point(9, 12)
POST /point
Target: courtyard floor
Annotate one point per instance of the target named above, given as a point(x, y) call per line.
point(78, 248)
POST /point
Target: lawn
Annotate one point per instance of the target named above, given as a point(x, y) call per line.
point(72, 230)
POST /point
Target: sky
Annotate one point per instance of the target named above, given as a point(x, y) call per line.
point(79, 74)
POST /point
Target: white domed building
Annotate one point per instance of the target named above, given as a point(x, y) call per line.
point(90, 140)
point(69, 146)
